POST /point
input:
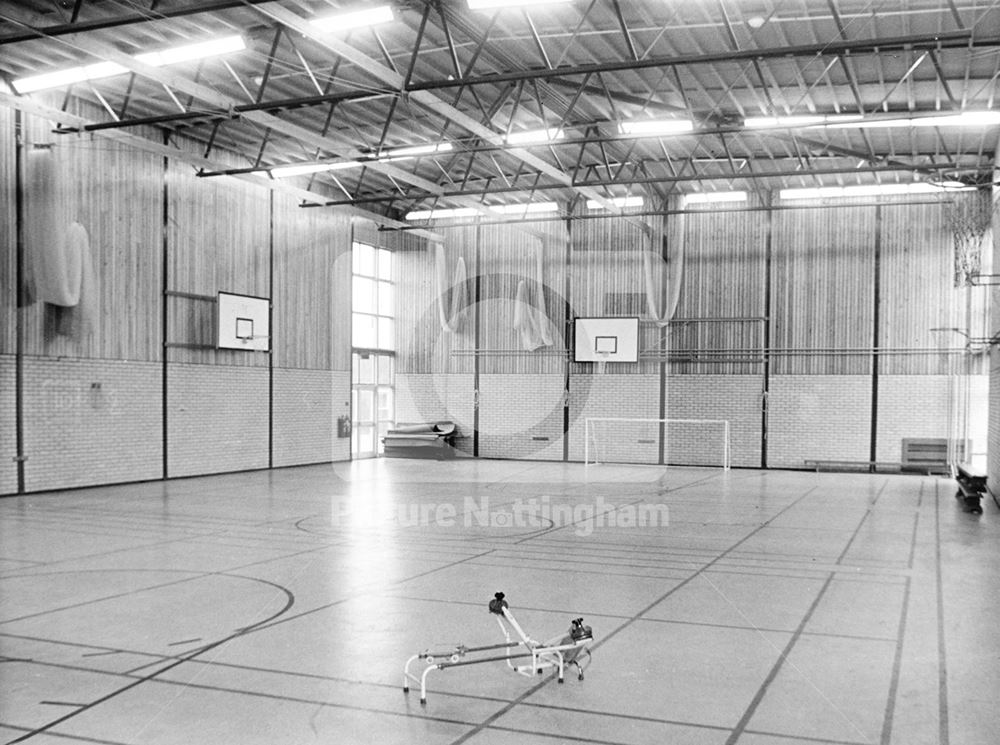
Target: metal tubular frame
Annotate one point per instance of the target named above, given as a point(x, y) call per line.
point(559, 652)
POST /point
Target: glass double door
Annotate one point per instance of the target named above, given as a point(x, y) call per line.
point(372, 402)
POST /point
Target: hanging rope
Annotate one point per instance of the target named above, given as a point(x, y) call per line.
point(449, 317)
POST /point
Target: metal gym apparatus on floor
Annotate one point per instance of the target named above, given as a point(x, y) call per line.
point(559, 652)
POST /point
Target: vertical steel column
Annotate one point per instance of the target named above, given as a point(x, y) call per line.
point(567, 333)
point(475, 343)
point(662, 338)
point(164, 301)
point(19, 277)
point(768, 280)
point(876, 301)
point(270, 330)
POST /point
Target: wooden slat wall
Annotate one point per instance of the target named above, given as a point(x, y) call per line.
point(115, 193)
point(218, 239)
point(607, 260)
point(8, 237)
point(917, 291)
point(422, 346)
point(723, 277)
point(823, 288)
point(311, 302)
point(507, 256)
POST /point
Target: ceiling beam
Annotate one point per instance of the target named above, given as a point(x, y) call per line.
point(103, 50)
point(100, 24)
point(34, 108)
point(422, 97)
point(959, 39)
point(680, 178)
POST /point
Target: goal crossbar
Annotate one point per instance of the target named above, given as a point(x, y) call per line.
point(726, 446)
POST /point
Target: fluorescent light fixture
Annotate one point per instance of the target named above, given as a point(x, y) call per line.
point(100, 70)
point(808, 120)
point(354, 19)
point(188, 52)
point(528, 208)
point(444, 147)
point(708, 197)
point(488, 4)
point(966, 119)
point(593, 204)
point(406, 153)
point(534, 136)
point(442, 213)
point(286, 171)
point(69, 76)
point(867, 190)
point(654, 127)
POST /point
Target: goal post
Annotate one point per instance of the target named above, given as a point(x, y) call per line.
point(684, 442)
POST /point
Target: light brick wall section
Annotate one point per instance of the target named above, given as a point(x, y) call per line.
point(993, 466)
point(436, 397)
point(217, 419)
point(733, 398)
point(822, 417)
point(611, 395)
point(89, 422)
point(516, 409)
point(922, 406)
point(306, 406)
point(993, 446)
point(8, 427)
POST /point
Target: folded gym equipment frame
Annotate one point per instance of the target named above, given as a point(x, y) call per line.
point(559, 652)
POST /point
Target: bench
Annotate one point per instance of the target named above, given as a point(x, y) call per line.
point(971, 487)
point(864, 466)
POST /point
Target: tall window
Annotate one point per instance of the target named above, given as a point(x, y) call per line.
point(373, 332)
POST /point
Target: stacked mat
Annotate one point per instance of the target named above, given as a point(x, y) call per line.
point(429, 440)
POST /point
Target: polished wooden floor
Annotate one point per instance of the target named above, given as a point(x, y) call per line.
point(751, 607)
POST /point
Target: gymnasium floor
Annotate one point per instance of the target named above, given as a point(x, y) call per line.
point(760, 608)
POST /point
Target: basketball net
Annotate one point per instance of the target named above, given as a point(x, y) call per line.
point(602, 362)
point(969, 219)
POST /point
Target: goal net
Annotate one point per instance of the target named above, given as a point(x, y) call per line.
point(679, 442)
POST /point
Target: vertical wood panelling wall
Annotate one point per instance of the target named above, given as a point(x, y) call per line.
point(917, 291)
point(218, 237)
point(114, 193)
point(423, 346)
point(823, 289)
point(312, 276)
point(8, 234)
point(8, 307)
point(607, 277)
point(723, 278)
point(101, 406)
point(507, 256)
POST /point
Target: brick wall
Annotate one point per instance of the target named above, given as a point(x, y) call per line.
point(8, 424)
point(733, 398)
point(217, 419)
point(444, 396)
point(90, 422)
point(993, 459)
point(994, 415)
point(825, 417)
point(615, 395)
point(521, 416)
point(306, 405)
point(923, 406)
